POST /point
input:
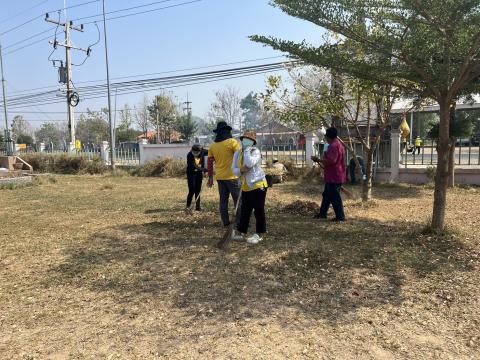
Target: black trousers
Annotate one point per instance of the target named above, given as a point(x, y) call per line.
point(194, 188)
point(331, 196)
point(253, 201)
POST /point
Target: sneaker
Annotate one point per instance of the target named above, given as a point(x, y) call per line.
point(236, 236)
point(254, 239)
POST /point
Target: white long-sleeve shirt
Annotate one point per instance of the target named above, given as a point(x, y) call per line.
point(252, 158)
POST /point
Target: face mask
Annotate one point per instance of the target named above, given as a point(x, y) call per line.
point(247, 142)
point(196, 153)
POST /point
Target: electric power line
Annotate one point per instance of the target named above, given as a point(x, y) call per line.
point(30, 37)
point(7, 19)
point(28, 45)
point(41, 16)
point(156, 73)
point(130, 87)
point(112, 18)
point(122, 10)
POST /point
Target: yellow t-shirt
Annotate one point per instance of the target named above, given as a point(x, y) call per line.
point(223, 152)
point(260, 184)
point(197, 161)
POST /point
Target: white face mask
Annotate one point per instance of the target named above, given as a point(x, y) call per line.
point(196, 153)
point(247, 143)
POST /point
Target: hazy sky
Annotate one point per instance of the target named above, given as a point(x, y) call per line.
point(204, 33)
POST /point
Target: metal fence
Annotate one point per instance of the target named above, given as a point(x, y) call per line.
point(467, 152)
point(284, 152)
point(127, 157)
point(123, 157)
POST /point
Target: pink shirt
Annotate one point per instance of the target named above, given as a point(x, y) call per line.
point(336, 169)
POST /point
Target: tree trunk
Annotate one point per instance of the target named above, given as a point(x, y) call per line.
point(441, 176)
point(367, 184)
point(451, 163)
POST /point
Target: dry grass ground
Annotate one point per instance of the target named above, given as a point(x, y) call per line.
point(111, 268)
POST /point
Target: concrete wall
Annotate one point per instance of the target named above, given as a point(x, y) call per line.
point(153, 151)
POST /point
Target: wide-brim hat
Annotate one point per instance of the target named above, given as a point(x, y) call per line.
point(249, 134)
point(221, 125)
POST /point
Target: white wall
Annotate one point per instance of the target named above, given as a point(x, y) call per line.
point(154, 151)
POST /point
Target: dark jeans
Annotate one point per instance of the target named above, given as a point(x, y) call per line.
point(225, 189)
point(194, 188)
point(253, 201)
point(331, 195)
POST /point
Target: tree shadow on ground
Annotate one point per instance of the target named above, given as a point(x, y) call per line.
point(325, 271)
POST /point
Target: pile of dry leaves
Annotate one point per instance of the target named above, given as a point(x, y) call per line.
point(302, 207)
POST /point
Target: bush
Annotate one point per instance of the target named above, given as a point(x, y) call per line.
point(431, 171)
point(293, 171)
point(64, 164)
point(312, 174)
point(164, 167)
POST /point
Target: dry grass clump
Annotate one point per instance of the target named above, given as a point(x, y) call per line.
point(164, 167)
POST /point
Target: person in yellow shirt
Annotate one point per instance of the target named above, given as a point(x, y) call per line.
point(418, 144)
point(247, 163)
point(220, 157)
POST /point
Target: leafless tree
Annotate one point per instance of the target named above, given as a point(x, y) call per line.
point(226, 107)
point(142, 116)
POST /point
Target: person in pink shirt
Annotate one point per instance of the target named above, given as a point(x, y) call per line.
point(335, 174)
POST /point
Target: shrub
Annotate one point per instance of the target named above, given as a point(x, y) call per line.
point(94, 166)
point(164, 167)
point(64, 163)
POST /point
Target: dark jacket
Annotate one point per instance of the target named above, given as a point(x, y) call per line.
point(191, 168)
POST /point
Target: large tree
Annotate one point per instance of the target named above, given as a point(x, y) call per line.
point(20, 126)
point(163, 114)
point(186, 126)
point(51, 133)
point(251, 111)
point(364, 110)
point(126, 118)
point(93, 128)
point(431, 50)
point(462, 126)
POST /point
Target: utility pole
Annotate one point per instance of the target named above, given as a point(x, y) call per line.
point(112, 135)
point(158, 125)
point(66, 72)
point(187, 107)
point(8, 140)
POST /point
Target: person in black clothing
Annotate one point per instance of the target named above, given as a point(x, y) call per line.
point(195, 170)
point(353, 169)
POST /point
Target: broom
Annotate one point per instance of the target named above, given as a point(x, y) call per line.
point(227, 237)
